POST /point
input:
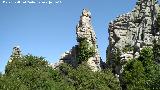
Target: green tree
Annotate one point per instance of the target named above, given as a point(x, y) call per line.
point(31, 73)
point(133, 76)
point(34, 73)
point(84, 50)
point(82, 78)
point(156, 51)
point(142, 73)
point(115, 60)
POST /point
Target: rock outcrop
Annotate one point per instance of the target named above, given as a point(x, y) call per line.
point(136, 29)
point(67, 57)
point(84, 29)
point(16, 53)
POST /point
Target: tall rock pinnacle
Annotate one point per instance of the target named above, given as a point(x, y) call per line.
point(16, 53)
point(84, 29)
point(136, 29)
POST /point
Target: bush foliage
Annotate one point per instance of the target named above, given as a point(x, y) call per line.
point(142, 73)
point(34, 73)
point(85, 50)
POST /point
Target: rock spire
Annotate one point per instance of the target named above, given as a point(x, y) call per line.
point(84, 29)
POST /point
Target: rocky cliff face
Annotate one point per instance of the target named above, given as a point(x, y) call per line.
point(84, 29)
point(16, 53)
point(136, 29)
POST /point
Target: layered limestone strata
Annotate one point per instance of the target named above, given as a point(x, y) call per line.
point(16, 53)
point(84, 29)
point(135, 29)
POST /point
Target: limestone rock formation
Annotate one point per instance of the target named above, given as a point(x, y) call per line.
point(16, 53)
point(68, 57)
point(135, 29)
point(84, 29)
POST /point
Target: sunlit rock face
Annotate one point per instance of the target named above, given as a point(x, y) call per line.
point(137, 29)
point(16, 53)
point(84, 29)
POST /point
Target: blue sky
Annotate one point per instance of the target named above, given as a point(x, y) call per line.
point(50, 30)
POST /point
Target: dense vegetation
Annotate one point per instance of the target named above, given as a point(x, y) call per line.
point(29, 73)
point(142, 73)
point(34, 73)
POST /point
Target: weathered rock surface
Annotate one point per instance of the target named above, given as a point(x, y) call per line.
point(136, 29)
point(16, 53)
point(68, 57)
point(84, 29)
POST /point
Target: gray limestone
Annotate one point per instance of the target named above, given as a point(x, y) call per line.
point(136, 28)
point(84, 29)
